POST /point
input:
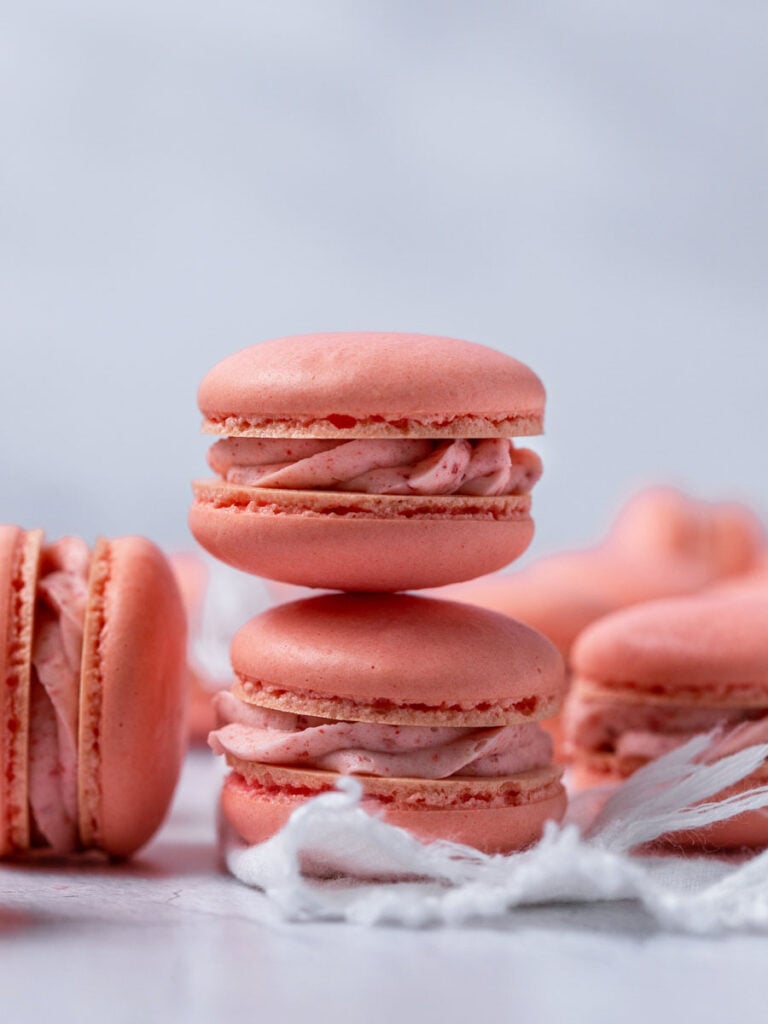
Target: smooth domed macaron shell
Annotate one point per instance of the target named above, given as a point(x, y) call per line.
point(19, 568)
point(492, 815)
point(709, 649)
point(132, 695)
point(397, 659)
point(359, 542)
point(371, 384)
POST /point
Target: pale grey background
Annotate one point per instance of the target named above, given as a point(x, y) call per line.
point(579, 183)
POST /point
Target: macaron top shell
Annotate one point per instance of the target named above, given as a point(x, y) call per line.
point(132, 695)
point(371, 385)
point(397, 659)
point(710, 647)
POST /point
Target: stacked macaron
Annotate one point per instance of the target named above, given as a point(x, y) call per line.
point(368, 461)
point(434, 705)
point(376, 463)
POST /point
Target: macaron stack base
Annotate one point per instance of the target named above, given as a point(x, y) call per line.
point(434, 706)
point(501, 818)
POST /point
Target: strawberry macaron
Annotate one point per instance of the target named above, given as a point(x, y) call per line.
point(368, 461)
point(433, 705)
point(663, 543)
point(649, 678)
point(91, 693)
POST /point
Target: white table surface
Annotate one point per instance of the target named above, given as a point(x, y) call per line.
point(171, 938)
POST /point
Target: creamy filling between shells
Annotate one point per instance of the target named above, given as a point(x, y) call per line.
point(490, 466)
point(254, 734)
point(641, 732)
point(53, 719)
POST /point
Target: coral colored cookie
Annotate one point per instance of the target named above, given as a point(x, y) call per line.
point(368, 461)
point(649, 678)
point(662, 544)
point(91, 693)
point(665, 543)
point(433, 705)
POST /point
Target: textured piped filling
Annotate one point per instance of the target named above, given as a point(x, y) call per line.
point(264, 736)
point(487, 467)
point(56, 662)
point(641, 732)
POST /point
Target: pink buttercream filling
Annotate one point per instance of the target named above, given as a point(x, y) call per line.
point(56, 655)
point(491, 466)
point(646, 731)
point(266, 736)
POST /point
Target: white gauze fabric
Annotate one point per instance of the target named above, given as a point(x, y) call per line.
point(374, 873)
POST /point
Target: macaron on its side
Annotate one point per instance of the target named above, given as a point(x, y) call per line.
point(19, 566)
point(492, 815)
point(132, 696)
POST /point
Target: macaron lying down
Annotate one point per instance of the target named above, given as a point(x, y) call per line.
point(368, 461)
point(663, 543)
point(666, 543)
point(649, 678)
point(91, 693)
point(434, 706)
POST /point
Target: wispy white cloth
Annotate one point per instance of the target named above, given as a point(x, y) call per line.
point(375, 873)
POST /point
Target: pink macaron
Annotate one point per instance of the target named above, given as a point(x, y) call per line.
point(368, 461)
point(649, 678)
point(663, 543)
point(433, 705)
point(91, 693)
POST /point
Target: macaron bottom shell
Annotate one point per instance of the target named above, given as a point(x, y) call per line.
point(400, 546)
point(258, 812)
point(748, 830)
